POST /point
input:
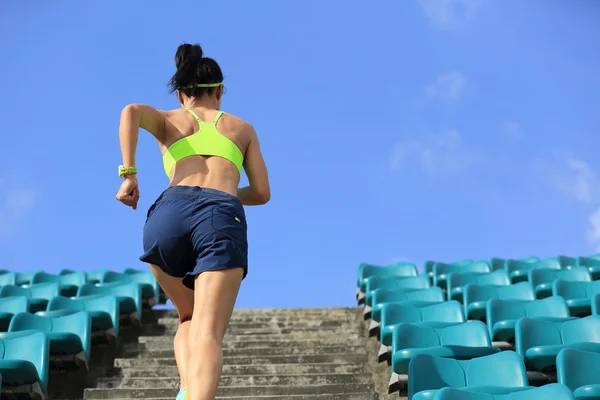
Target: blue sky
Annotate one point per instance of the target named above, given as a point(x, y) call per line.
point(415, 129)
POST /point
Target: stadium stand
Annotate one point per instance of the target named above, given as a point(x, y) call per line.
point(505, 328)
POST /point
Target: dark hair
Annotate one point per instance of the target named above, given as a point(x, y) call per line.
point(193, 69)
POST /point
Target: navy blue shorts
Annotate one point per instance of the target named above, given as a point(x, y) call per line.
point(190, 229)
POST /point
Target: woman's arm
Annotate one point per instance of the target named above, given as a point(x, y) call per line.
point(259, 191)
point(133, 117)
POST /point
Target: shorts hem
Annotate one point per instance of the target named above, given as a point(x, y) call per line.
point(188, 279)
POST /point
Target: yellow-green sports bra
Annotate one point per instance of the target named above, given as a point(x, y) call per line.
point(207, 141)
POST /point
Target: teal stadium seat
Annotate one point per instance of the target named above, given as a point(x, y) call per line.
point(441, 270)
point(501, 263)
point(9, 306)
point(567, 261)
point(392, 315)
point(68, 283)
point(518, 270)
point(456, 282)
point(128, 294)
point(24, 278)
point(103, 310)
point(95, 276)
point(542, 279)
point(365, 271)
point(8, 278)
point(461, 341)
point(393, 282)
point(539, 341)
point(38, 294)
point(502, 315)
point(595, 304)
point(476, 297)
point(579, 370)
point(383, 296)
point(24, 361)
point(498, 373)
point(553, 391)
point(162, 297)
point(592, 263)
point(66, 271)
point(69, 335)
point(577, 294)
point(147, 281)
point(428, 269)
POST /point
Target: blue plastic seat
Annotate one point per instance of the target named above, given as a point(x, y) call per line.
point(8, 278)
point(518, 270)
point(577, 294)
point(441, 270)
point(542, 279)
point(567, 261)
point(553, 391)
point(497, 263)
point(578, 370)
point(460, 341)
point(38, 294)
point(24, 278)
point(24, 360)
point(103, 310)
point(498, 373)
point(393, 315)
point(592, 263)
point(428, 269)
point(365, 271)
point(457, 281)
point(502, 315)
point(128, 294)
point(9, 306)
point(69, 334)
point(393, 282)
point(68, 283)
point(146, 280)
point(539, 341)
point(475, 297)
point(383, 296)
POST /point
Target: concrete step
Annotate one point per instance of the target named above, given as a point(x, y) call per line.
point(236, 370)
point(141, 352)
point(274, 324)
point(243, 360)
point(296, 313)
point(169, 332)
point(153, 342)
point(233, 391)
point(237, 381)
point(340, 396)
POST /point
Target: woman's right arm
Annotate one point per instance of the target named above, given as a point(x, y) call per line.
point(259, 190)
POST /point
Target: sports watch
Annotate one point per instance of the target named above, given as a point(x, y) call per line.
point(126, 171)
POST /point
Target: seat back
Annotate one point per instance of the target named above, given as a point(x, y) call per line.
point(65, 303)
point(25, 322)
point(450, 311)
point(577, 274)
point(529, 264)
point(567, 261)
point(421, 335)
point(588, 262)
point(14, 304)
point(426, 372)
point(24, 278)
point(576, 368)
point(569, 290)
point(43, 277)
point(44, 290)
point(74, 278)
point(581, 330)
point(428, 267)
point(96, 275)
point(103, 303)
point(8, 291)
point(400, 269)
point(78, 323)
point(473, 266)
point(8, 278)
point(33, 347)
point(553, 391)
point(381, 296)
point(497, 263)
point(392, 282)
point(550, 307)
point(531, 332)
point(518, 291)
point(497, 310)
point(505, 369)
point(459, 279)
point(130, 290)
point(434, 294)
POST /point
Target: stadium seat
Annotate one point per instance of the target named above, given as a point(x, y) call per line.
point(592, 264)
point(38, 294)
point(502, 315)
point(385, 282)
point(428, 269)
point(441, 270)
point(24, 361)
point(129, 295)
point(24, 278)
point(69, 335)
point(456, 282)
point(553, 391)
point(146, 280)
point(539, 341)
point(475, 297)
point(365, 271)
point(392, 315)
point(9, 306)
point(103, 310)
point(518, 270)
point(382, 296)
point(460, 341)
point(542, 279)
point(95, 276)
point(567, 261)
point(497, 263)
point(8, 278)
point(67, 283)
point(578, 370)
point(498, 373)
point(577, 294)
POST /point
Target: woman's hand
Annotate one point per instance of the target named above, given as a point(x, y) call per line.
point(128, 193)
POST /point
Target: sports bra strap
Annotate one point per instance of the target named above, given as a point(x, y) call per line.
point(200, 121)
point(219, 115)
point(194, 114)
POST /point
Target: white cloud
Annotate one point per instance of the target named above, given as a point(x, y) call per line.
point(435, 154)
point(449, 14)
point(594, 230)
point(15, 204)
point(447, 87)
point(512, 130)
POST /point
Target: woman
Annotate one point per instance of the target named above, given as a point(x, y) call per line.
point(195, 232)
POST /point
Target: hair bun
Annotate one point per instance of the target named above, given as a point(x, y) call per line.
point(187, 53)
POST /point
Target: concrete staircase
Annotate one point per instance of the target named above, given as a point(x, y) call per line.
point(297, 354)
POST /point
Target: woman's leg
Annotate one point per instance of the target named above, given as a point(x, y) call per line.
point(215, 293)
point(183, 299)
